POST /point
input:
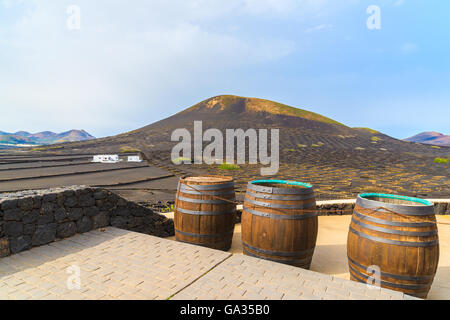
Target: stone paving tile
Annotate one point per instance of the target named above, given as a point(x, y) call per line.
point(119, 264)
point(113, 264)
point(234, 277)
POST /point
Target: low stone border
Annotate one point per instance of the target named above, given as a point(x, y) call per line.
point(38, 217)
point(345, 207)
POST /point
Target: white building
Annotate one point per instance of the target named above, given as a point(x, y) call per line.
point(134, 159)
point(108, 158)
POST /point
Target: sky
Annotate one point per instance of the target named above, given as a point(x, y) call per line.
point(111, 66)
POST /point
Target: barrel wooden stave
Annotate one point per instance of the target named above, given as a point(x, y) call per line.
point(200, 217)
point(404, 246)
point(280, 233)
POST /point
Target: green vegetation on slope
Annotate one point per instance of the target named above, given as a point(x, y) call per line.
point(47, 148)
point(228, 166)
point(180, 160)
point(441, 160)
point(129, 150)
point(283, 109)
point(372, 131)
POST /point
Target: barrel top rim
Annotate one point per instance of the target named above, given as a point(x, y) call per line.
point(288, 182)
point(208, 179)
point(367, 196)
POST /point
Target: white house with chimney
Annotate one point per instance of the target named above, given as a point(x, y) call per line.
point(106, 158)
point(114, 158)
point(134, 159)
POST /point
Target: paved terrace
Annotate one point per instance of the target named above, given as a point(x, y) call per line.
point(119, 264)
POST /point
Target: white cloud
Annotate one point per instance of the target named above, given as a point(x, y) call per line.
point(319, 28)
point(127, 57)
point(408, 48)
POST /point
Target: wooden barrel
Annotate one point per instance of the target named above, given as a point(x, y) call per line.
point(279, 222)
point(398, 235)
point(200, 217)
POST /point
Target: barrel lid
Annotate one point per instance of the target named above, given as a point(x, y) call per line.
point(206, 182)
point(412, 200)
point(287, 186)
point(208, 179)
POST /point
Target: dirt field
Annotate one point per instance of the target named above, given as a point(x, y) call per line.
point(156, 179)
point(22, 173)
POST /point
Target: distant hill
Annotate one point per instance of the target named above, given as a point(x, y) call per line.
point(431, 137)
point(302, 132)
point(24, 138)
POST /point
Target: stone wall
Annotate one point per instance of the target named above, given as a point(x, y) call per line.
point(328, 208)
point(345, 207)
point(34, 218)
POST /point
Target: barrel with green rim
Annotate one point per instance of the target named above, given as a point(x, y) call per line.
point(205, 211)
point(398, 235)
point(279, 222)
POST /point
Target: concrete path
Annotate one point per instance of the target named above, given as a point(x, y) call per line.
point(330, 255)
point(114, 264)
point(245, 278)
point(118, 264)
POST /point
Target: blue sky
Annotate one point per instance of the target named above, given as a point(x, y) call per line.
point(131, 65)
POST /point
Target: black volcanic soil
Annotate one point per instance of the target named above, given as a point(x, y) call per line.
point(339, 161)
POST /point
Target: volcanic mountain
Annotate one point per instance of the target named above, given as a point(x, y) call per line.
point(338, 160)
point(434, 138)
point(230, 112)
point(300, 131)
